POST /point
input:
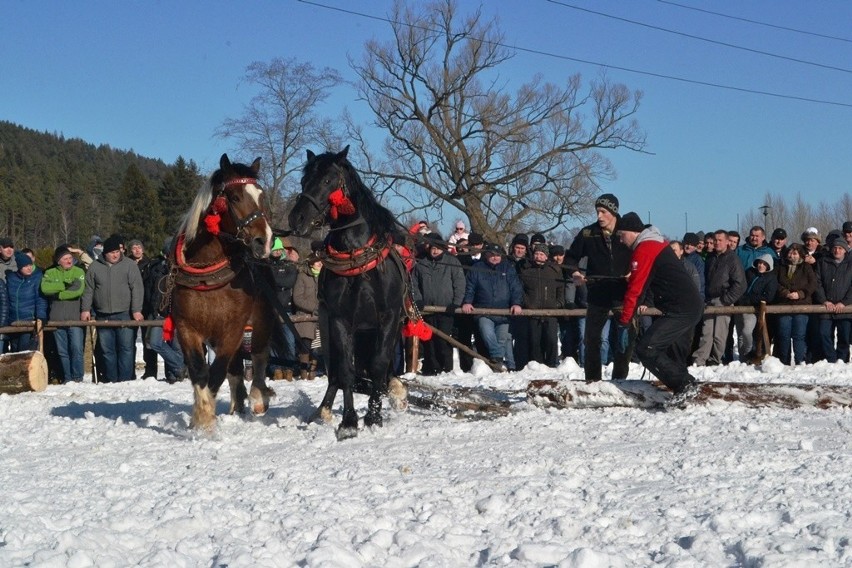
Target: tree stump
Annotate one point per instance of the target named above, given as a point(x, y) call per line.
point(23, 372)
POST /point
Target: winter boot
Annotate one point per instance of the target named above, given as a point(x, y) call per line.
point(312, 369)
point(305, 367)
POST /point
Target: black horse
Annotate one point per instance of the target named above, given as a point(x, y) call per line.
point(361, 287)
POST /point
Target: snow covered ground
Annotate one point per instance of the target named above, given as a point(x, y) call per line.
point(110, 475)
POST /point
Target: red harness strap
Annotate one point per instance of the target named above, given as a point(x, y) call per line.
point(352, 264)
point(195, 273)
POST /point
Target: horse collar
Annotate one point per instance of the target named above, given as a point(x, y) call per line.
point(357, 261)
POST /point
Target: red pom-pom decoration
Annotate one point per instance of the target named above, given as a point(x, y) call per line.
point(211, 221)
point(340, 204)
point(417, 329)
point(168, 328)
point(220, 204)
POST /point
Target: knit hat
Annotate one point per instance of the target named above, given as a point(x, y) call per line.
point(537, 238)
point(277, 245)
point(60, 251)
point(112, 244)
point(840, 243)
point(521, 239)
point(779, 233)
point(557, 250)
point(6, 242)
point(630, 222)
point(133, 242)
point(847, 227)
point(434, 240)
point(22, 260)
point(609, 202)
point(700, 235)
point(541, 247)
point(766, 259)
point(691, 239)
point(475, 239)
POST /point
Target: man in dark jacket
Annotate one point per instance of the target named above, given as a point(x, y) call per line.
point(493, 283)
point(659, 277)
point(544, 288)
point(466, 331)
point(834, 291)
point(438, 280)
point(724, 284)
point(136, 253)
point(605, 277)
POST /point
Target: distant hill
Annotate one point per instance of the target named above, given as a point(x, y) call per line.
point(55, 190)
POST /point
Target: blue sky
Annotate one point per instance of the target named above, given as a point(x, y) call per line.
point(159, 77)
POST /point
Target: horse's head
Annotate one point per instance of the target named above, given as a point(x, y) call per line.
point(322, 176)
point(239, 202)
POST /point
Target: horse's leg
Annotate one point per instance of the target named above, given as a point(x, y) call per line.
point(204, 405)
point(260, 393)
point(236, 380)
point(380, 369)
point(341, 375)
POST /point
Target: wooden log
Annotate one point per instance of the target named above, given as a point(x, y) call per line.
point(644, 394)
point(495, 366)
point(23, 372)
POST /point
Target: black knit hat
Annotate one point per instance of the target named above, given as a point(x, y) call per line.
point(60, 251)
point(475, 239)
point(521, 239)
point(557, 249)
point(609, 202)
point(434, 240)
point(112, 244)
point(537, 238)
point(779, 234)
point(691, 239)
point(630, 222)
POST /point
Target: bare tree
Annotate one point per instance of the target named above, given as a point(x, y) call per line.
point(456, 136)
point(282, 121)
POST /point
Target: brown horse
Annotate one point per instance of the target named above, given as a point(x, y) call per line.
point(215, 295)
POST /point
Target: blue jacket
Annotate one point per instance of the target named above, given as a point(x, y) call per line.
point(26, 301)
point(493, 286)
point(748, 254)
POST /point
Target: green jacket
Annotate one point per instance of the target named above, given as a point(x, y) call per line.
point(63, 289)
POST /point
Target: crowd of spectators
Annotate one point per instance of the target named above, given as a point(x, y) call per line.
point(467, 275)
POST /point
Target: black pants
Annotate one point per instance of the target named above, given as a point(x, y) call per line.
point(596, 317)
point(665, 347)
point(437, 353)
point(519, 328)
point(467, 333)
point(544, 346)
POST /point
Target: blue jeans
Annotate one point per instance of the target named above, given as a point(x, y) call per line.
point(117, 349)
point(826, 331)
point(168, 350)
point(23, 342)
point(69, 345)
point(498, 339)
point(791, 327)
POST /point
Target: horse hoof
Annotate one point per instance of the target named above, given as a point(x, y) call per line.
point(323, 415)
point(346, 432)
point(397, 395)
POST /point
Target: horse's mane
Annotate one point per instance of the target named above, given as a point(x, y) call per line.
point(189, 222)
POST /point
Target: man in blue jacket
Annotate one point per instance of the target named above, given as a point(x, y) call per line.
point(493, 283)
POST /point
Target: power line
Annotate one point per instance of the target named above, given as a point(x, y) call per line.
point(595, 63)
point(757, 22)
point(700, 38)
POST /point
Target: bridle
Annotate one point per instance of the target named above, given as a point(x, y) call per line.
point(240, 222)
point(324, 209)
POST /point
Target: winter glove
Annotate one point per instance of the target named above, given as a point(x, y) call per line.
point(622, 338)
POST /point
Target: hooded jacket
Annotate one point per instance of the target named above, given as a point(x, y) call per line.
point(656, 272)
point(760, 286)
point(26, 301)
point(607, 257)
